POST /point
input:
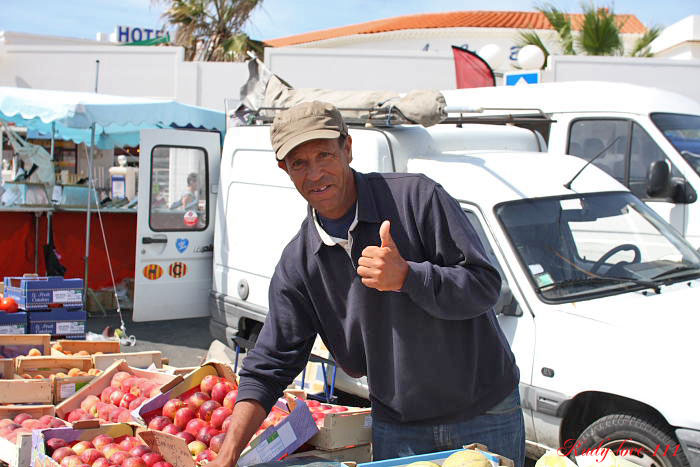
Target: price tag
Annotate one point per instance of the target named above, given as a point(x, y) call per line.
point(67, 390)
point(66, 296)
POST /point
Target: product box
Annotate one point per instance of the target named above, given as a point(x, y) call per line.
point(14, 345)
point(34, 293)
point(439, 458)
point(356, 454)
point(58, 322)
point(18, 454)
point(13, 323)
point(79, 431)
point(100, 382)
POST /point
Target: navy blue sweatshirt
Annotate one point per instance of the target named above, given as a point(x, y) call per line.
point(432, 352)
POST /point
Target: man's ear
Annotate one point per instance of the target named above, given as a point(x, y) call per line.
point(282, 165)
point(348, 147)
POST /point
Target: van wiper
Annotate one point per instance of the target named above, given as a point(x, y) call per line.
point(646, 284)
point(676, 269)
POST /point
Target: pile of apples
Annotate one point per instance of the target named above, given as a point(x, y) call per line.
point(201, 418)
point(104, 451)
point(11, 428)
point(125, 393)
point(319, 411)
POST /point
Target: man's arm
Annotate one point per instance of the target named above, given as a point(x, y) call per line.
point(248, 415)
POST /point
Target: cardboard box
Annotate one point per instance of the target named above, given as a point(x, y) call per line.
point(48, 365)
point(13, 323)
point(91, 347)
point(59, 322)
point(26, 391)
point(439, 457)
point(100, 300)
point(100, 382)
point(343, 429)
point(80, 431)
point(19, 454)
point(357, 454)
point(34, 293)
point(14, 345)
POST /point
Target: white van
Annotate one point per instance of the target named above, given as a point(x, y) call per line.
point(633, 126)
point(595, 291)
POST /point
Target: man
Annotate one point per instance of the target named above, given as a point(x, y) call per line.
point(388, 271)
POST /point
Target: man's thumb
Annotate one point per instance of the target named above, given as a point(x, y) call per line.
point(385, 235)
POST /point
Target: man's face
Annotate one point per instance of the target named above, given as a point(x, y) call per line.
point(320, 171)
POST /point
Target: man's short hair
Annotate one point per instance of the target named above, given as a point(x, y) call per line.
point(192, 178)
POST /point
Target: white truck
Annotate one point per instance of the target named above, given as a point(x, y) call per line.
point(627, 128)
point(596, 286)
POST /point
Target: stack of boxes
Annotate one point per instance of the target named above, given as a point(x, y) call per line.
point(49, 305)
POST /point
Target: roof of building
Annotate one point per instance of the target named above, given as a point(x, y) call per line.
point(457, 19)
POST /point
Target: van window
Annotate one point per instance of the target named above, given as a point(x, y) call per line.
point(643, 152)
point(179, 195)
point(683, 132)
point(587, 138)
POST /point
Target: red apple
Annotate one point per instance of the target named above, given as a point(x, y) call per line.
point(105, 412)
point(118, 457)
point(31, 424)
point(151, 458)
point(22, 417)
point(207, 409)
point(194, 425)
point(129, 443)
point(172, 406)
point(183, 416)
point(139, 450)
point(89, 402)
point(220, 390)
point(44, 420)
point(206, 455)
point(197, 399)
point(102, 462)
point(159, 422)
point(216, 442)
point(312, 403)
point(230, 399)
point(116, 397)
point(226, 424)
point(171, 429)
point(62, 452)
point(90, 455)
point(208, 383)
point(101, 441)
point(129, 383)
point(162, 464)
point(206, 433)
point(126, 400)
point(196, 447)
point(338, 409)
point(55, 443)
point(56, 423)
point(82, 446)
point(136, 402)
point(71, 461)
point(188, 437)
point(75, 415)
point(118, 378)
point(218, 417)
point(110, 449)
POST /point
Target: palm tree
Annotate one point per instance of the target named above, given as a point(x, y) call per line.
point(211, 30)
point(599, 35)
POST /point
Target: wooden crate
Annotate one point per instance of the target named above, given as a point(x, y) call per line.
point(65, 387)
point(7, 368)
point(48, 365)
point(19, 454)
point(91, 347)
point(12, 345)
point(141, 360)
point(26, 391)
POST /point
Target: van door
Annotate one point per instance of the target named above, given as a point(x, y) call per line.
point(178, 184)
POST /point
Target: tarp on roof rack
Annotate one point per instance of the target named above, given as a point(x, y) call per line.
point(265, 93)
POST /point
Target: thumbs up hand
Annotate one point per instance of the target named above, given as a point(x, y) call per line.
point(382, 267)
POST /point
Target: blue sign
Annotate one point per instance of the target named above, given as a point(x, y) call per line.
point(521, 77)
point(128, 34)
point(181, 244)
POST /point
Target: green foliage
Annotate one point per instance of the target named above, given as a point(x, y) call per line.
point(532, 38)
point(600, 33)
point(641, 46)
point(562, 24)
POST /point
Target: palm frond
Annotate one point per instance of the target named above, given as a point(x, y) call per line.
point(562, 24)
point(641, 46)
point(532, 38)
point(600, 32)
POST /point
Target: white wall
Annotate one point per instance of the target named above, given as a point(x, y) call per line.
point(157, 72)
point(680, 40)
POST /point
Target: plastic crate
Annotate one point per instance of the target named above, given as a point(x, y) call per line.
point(59, 322)
point(35, 293)
point(13, 323)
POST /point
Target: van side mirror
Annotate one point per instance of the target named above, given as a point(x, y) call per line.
point(659, 179)
point(507, 304)
point(683, 192)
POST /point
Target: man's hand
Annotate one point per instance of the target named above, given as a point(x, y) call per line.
point(382, 267)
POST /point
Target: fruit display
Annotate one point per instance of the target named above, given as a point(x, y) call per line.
point(319, 410)
point(467, 458)
point(11, 428)
point(104, 451)
point(59, 374)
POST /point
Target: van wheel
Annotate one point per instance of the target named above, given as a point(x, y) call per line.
point(634, 439)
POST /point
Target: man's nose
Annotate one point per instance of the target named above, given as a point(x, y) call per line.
point(315, 171)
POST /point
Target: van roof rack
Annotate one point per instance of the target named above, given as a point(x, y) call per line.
point(376, 116)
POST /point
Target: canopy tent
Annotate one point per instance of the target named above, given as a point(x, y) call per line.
point(117, 119)
point(99, 120)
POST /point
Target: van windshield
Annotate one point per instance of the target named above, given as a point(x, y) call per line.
point(683, 132)
point(584, 246)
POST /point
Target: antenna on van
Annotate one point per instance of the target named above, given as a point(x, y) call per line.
point(568, 184)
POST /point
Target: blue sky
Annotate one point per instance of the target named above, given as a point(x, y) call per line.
point(279, 18)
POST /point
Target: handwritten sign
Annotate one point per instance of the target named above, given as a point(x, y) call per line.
point(172, 448)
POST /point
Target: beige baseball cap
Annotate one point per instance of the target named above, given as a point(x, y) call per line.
point(304, 122)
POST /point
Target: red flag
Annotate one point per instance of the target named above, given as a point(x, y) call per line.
point(472, 70)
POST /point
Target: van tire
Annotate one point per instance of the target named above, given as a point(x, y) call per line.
point(634, 431)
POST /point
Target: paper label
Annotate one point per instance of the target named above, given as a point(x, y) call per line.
point(70, 327)
point(67, 390)
point(172, 448)
point(368, 421)
point(12, 329)
point(65, 296)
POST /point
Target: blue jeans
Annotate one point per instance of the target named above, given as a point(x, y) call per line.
point(501, 428)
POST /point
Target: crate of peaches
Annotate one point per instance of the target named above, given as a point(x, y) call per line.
point(16, 425)
point(67, 374)
point(89, 444)
point(112, 396)
point(105, 353)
